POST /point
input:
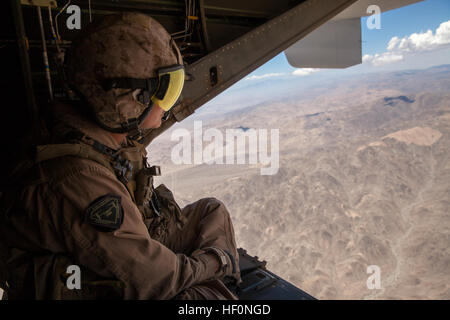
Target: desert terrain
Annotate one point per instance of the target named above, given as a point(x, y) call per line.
point(363, 179)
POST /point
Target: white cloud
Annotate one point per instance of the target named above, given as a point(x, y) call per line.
point(382, 59)
point(425, 41)
point(415, 43)
point(297, 72)
point(264, 76)
point(367, 58)
point(394, 41)
point(304, 71)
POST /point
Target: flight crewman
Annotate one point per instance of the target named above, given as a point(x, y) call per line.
point(88, 200)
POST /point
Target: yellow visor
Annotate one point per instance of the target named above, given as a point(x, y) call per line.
point(171, 82)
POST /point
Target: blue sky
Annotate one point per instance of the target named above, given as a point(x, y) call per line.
point(402, 22)
point(416, 18)
point(429, 47)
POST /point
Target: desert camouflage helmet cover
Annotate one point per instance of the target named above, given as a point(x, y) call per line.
point(125, 45)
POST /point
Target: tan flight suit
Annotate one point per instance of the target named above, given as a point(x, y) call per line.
point(145, 258)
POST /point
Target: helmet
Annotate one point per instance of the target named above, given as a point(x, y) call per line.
point(121, 66)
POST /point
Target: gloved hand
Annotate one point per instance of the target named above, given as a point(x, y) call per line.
point(227, 262)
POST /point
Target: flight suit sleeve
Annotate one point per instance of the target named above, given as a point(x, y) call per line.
point(148, 269)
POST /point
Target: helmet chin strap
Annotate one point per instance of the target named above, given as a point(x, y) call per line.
point(138, 135)
point(132, 126)
point(135, 134)
point(165, 116)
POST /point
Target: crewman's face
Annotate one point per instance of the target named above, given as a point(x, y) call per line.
point(153, 119)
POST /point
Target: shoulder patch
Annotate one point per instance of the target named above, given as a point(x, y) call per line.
point(105, 212)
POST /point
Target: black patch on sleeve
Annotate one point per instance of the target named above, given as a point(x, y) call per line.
point(105, 212)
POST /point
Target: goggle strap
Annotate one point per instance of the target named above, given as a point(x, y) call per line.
point(149, 85)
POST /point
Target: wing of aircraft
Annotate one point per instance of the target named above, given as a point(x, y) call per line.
point(337, 43)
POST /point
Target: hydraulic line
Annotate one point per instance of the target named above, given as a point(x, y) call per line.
point(45, 55)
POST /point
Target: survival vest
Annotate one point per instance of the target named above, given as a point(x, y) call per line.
point(129, 165)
